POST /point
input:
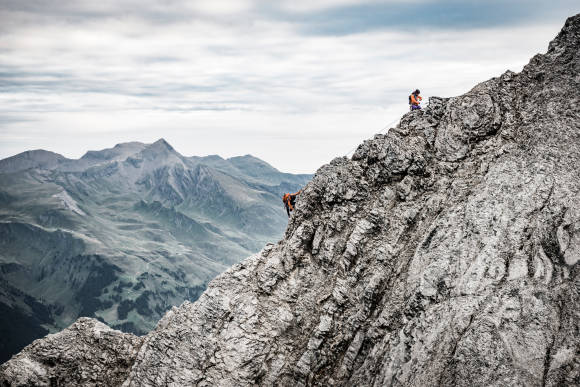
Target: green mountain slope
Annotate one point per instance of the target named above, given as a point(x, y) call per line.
point(125, 233)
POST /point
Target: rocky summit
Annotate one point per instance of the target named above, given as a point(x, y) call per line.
point(443, 253)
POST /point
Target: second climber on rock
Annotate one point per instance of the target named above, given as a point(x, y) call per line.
point(289, 201)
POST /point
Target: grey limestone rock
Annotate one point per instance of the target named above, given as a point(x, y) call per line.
point(87, 353)
point(443, 253)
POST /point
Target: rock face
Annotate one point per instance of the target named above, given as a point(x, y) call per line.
point(443, 253)
point(102, 356)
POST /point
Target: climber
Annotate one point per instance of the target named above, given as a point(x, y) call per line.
point(415, 100)
point(289, 200)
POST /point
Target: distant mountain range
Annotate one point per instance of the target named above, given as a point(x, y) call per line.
point(123, 234)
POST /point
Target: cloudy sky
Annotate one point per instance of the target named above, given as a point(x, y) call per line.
point(294, 82)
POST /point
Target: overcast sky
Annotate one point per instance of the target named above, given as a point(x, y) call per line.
point(293, 82)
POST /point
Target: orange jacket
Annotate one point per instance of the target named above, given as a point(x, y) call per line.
point(287, 199)
point(415, 99)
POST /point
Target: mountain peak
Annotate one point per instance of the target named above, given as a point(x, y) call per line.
point(161, 150)
point(212, 158)
point(252, 164)
point(118, 152)
point(161, 144)
point(38, 158)
point(129, 144)
point(569, 36)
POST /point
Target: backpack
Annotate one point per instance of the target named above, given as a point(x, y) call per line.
point(410, 100)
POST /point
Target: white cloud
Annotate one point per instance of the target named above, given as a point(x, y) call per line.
point(221, 7)
point(229, 80)
point(318, 5)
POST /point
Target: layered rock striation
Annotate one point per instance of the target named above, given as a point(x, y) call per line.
point(443, 253)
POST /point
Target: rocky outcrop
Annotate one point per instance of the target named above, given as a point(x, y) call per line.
point(443, 253)
point(88, 353)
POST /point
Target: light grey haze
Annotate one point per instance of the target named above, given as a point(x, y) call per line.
point(295, 83)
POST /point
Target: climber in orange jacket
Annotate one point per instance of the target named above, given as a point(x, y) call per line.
point(289, 201)
point(415, 100)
